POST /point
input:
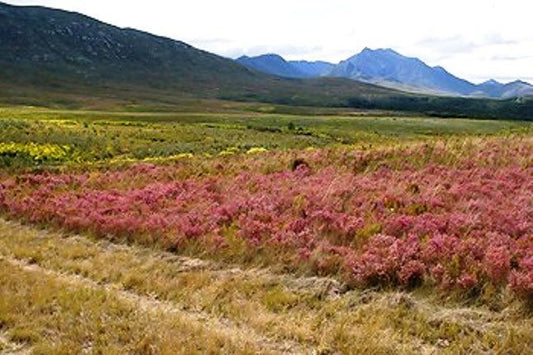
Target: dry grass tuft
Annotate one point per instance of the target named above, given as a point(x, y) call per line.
point(75, 293)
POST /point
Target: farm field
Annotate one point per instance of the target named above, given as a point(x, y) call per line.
point(257, 230)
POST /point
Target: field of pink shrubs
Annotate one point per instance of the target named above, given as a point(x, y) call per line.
point(457, 215)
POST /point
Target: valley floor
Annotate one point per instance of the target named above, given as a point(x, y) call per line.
point(72, 294)
point(253, 229)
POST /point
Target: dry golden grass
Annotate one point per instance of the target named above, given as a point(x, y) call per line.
point(70, 293)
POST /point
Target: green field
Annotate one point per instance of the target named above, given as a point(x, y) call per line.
point(95, 136)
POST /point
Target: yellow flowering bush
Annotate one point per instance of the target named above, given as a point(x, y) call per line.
point(255, 150)
point(34, 151)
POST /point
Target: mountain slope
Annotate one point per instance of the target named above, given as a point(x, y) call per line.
point(388, 66)
point(516, 88)
point(276, 65)
point(312, 69)
point(271, 64)
point(492, 88)
point(60, 44)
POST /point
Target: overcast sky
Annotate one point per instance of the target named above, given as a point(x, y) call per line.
point(473, 39)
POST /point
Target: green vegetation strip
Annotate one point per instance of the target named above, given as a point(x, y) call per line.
point(33, 137)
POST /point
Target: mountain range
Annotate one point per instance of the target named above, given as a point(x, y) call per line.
point(274, 64)
point(388, 68)
point(59, 50)
point(49, 55)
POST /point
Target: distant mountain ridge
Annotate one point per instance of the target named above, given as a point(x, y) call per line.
point(276, 65)
point(272, 64)
point(386, 67)
point(312, 69)
point(517, 88)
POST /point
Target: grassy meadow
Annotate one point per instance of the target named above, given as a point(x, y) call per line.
point(215, 226)
point(35, 137)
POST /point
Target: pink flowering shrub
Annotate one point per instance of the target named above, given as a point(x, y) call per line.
point(389, 260)
point(384, 217)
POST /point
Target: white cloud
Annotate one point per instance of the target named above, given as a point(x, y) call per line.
point(465, 37)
